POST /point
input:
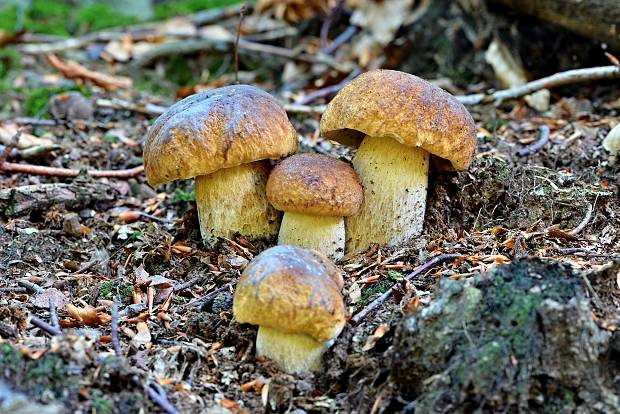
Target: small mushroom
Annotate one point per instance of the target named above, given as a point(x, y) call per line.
point(315, 192)
point(612, 143)
point(223, 137)
point(400, 120)
point(294, 296)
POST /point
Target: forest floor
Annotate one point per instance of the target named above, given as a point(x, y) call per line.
point(79, 243)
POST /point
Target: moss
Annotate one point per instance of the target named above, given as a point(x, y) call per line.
point(371, 292)
point(100, 16)
point(36, 99)
point(168, 9)
point(109, 289)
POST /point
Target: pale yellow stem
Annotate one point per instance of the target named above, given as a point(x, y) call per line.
point(395, 179)
point(293, 352)
point(322, 233)
point(233, 200)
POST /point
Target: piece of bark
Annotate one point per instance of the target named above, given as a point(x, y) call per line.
point(26, 199)
point(597, 19)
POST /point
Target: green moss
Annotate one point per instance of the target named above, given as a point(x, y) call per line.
point(100, 16)
point(109, 289)
point(182, 196)
point(168, 9)
point(373, 291)
point(36, 99)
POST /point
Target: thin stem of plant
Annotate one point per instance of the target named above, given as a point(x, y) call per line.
point(69, 172)
point(241, 14)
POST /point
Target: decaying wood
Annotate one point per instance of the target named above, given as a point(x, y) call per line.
point(597, 19)
point(23, 200)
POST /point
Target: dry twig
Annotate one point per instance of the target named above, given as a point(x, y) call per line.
point(558, 79)
point(584, 222)
point(116, 344)
point(45, 326)
point(375, 303)
point(69, 172)
point(542, 140)
point(54, 315)
point(73, 70)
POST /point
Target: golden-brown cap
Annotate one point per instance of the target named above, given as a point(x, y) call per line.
point(292, 290)
point(388, 103)
point(215, 129)
point(315, 184)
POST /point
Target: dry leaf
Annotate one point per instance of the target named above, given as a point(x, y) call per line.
point(74, 70)
point(88, 315)
point(143, 337)
point(378, 334)
point(42, 300)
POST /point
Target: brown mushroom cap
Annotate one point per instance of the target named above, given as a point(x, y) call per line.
point(216, 129)
point(315, 184)
point(291, 290)
point(416, 113)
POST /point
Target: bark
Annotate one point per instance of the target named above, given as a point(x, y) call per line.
point(598, 19)
point(26, 199)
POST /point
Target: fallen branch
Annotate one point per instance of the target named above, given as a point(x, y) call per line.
point(558, 79)
point(542, 140)
point(73, 70)
point(157, 394)
point(209, 297)
point(375, 303)
point(584, 222)
point(23, 200)
point(45, 326)
point(53, 315)
point(116, 343)
point(69, 172)
point(329, 90)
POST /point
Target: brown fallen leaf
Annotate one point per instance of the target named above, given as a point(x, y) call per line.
point(88, 315)
point(378, 334)
point(8, 131)
point(73, 70)
point(143, 337)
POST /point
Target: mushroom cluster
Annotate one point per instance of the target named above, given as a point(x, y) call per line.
point(225, 138)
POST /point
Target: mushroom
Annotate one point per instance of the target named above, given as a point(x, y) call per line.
point(315, 192)
point(400, 119)
point(612, 143)
point(224, 138)
point(294, 296)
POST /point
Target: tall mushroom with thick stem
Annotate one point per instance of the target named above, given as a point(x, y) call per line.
point(315, 192)
point(294, 296)
point(224, 138)
point(400, 120)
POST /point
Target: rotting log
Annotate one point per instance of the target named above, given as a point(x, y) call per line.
point(23, 200)
point(597, 19)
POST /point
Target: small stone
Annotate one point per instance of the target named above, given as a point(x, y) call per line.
point(71, 225)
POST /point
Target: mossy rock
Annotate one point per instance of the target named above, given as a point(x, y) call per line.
point(520, 338)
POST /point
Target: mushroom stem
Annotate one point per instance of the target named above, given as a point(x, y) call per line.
point(322, 233)
point(395, 179)
point(233, 200)
point(293, 352)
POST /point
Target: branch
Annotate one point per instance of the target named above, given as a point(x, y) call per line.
point(45, 326)
point(375, 303)
point(69, 172)
point(558, 79)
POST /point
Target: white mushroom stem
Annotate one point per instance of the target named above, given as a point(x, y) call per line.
point(293, 352)
point(322, 233)
point(395, 179)
point(233, 200)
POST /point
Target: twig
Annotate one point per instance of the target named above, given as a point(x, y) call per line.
point(542, 140)
point(54, 315)
point(69, 172)
point(193, 46)
point(372, 305)
point(209, 297)
point(45, 326)
point(558, 79)
point(182, 286)
point(157, 394)
point(14, 289)
point(305, 109)
point(340, 40)
point(118, 104)
point(241, 12)
point(583, 222)
point(329, 90)
point(116, 344)
point(30, 286)
point(327, 23)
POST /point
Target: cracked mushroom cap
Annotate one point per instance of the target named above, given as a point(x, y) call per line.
point(315, 184)
point(216, 129)
point(416, 113)
point(292, 290)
